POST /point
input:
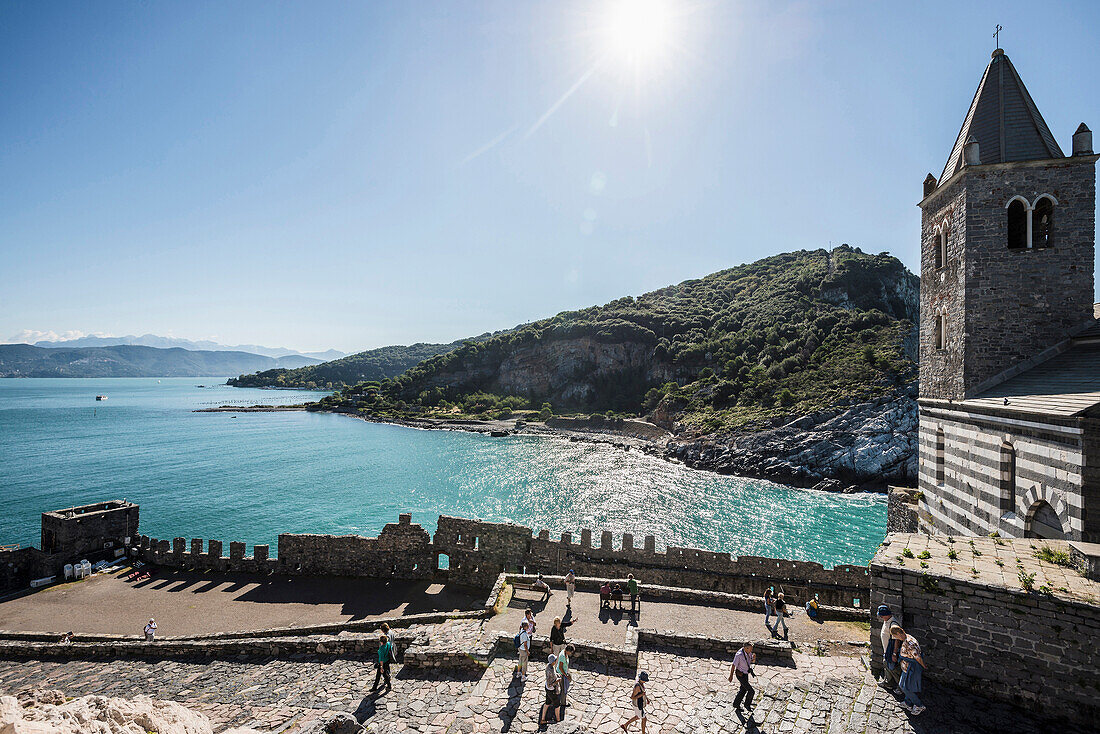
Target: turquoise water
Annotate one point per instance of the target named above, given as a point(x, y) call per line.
point(250, 476)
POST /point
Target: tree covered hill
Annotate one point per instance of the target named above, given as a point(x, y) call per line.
point(791, 333)
point(375, 364)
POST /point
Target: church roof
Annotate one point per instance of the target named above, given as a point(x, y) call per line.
point(1004, 120)
point(1066, 385)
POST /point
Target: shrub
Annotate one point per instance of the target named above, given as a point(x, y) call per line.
point(1057, 557)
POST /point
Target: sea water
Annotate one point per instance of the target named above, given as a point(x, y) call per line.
point(251, 476)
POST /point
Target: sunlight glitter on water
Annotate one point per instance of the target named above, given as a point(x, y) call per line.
point(252, 476)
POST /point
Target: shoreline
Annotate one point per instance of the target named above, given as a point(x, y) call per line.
point(665, 451)
point(252, 409)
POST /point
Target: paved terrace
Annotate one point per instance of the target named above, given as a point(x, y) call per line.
point(610, 626)
point(194, 603)
point(993, 561)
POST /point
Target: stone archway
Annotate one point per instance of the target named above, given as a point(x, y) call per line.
point(1043, 522)
point(1047, 514)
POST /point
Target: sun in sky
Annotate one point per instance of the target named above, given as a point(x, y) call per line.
point(638, 32)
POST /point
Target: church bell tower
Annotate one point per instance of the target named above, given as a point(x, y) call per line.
point(1007, 242)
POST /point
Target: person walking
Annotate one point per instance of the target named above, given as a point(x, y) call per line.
point(550, 706)
point(151, 630)
point(385, 657)
point(912, 668)
point(891, 671)
point(638, 701)
point(564, 676)
point(632, 589)
point(570, 588)
point(782, 614)
point(742, 667)
point(769, 609)
point(524, 650)
point(557, 635)
point(385, 629)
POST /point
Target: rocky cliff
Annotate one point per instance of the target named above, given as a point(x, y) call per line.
point(865, 446)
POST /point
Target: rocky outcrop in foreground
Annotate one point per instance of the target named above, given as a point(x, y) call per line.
point(863, 446)
point(47, 712)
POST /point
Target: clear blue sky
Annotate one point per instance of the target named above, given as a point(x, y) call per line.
point(352, 175)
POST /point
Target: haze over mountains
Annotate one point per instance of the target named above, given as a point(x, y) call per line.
point(168, 342)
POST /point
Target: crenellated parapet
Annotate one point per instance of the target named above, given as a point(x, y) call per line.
point(475, 552)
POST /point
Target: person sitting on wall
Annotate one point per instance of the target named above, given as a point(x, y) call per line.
point(541, 585)
point(605, 595)
point(617, 595)
point(151, 630)
point(812, 610)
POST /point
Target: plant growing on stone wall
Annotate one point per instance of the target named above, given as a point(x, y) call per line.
point(1057, 557)
point(901, 561)
point(1046, 589)
point(953, 555)
point(923, 564)
point(1000, 563)
point(907, 553)
point(925, 555)
point(1027, 580)
point(929, 585)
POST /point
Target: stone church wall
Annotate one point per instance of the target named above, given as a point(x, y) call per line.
point(969, 500)
point(941, 291)
point(1020, 302)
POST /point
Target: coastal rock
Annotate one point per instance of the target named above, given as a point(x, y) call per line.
point(865, 446)
point(47, 712)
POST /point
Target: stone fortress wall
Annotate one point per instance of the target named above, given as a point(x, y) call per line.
point(477, 552)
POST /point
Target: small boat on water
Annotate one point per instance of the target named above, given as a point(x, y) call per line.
point(100, 397)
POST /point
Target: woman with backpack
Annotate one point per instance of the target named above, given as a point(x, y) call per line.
point(638, 701)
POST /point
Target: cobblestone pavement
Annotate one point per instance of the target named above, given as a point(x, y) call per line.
point(689, 694)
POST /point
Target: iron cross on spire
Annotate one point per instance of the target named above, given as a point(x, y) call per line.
point(997, 36)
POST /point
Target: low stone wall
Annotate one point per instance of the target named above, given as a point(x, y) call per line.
point(652, 592)
point(902, 510)
point(1038, 650)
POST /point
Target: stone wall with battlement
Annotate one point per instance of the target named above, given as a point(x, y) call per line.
point(476, 552)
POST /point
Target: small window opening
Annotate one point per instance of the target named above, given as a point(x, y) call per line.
point(443, 562)
point(941, 331)
point(1017, 225)
point(1042, 223)
point(1008, 477)
point(940, 442)
point(477, 544)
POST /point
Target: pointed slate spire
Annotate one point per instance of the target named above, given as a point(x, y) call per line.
point(1004, 121)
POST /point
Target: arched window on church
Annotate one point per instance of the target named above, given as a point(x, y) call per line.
point(940, 244)
point(1017, 225)
point(1008, 477)
point(941, 331)
point(1042, 222)
point(940, 447)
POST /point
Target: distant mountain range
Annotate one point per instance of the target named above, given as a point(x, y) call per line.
point(25, 360)
point(168, 342)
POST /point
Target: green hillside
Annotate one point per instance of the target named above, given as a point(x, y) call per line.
point(787, 334)
point(375, 364)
